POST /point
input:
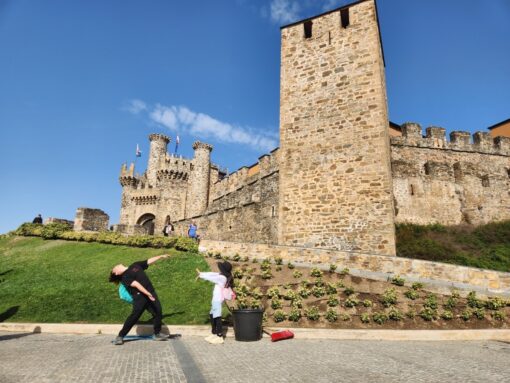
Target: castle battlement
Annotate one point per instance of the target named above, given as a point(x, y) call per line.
point(435, 137)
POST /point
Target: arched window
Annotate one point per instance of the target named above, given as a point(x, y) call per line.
point(147, 221)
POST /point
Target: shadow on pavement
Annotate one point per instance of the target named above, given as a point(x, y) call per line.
point(8, 313)
point(37, 330)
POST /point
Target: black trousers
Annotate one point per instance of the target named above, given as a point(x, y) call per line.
point(141, 303)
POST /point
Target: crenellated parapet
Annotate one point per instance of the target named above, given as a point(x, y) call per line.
point(201, 145)
point(435, 137)
point(159, 137)
point(127, 176)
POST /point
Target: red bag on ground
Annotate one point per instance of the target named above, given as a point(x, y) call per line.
point(281, 335)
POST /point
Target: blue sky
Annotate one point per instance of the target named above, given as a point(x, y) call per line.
point(82, 82)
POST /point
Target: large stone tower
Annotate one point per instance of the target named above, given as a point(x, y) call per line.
point(157, 154)
point(198, 191)
point(335, 179)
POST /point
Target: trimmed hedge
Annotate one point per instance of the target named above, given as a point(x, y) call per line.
point(63, 231)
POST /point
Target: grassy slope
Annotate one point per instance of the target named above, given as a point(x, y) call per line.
point(59, 281)
point(485, 246)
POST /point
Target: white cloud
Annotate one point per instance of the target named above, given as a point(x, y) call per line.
point(203, 126)
point(284, 11)
point(136, 106)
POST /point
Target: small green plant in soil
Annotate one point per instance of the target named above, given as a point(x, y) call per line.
point(297, 274)
point(236, 257)
point(344, 271)
point(255, 304)
point(447, 315)
point(466, 314)
point(479, 313)
point(254, 260)
point(412, 294)
point(279, 316)
point(473, 301)
point(304, 292)
point(238, 273)
point(297, 303)
point(278, 268)
point(319, 282)
point(332, 301)
point(395, 315)
point(294, 315)
point(365, 318)
point(290, 265)
point(379, 317)
point(398, 280)
point(389, 297)
point(256, 293)
point(344, 317)
point(306, 283)
point(331, 288)
point(332, 268)
point(290, 295)
point(367, 303)
point(495, 303)
point(266, 274)
point(428, 314)
point(276, 304)
point(218, 256)
point(499, 315)
point(312, 313)
point(246, 258)
point(265, 264)
point(411, 314)
point(316, 272)
point(331, 315)
point(273, 292)
point(339, 285)
point(351, 302)
point(417, 286)
point(349, 291)
point(278, 260)
point(318, 291)
point(451, 302)
point(431, 301)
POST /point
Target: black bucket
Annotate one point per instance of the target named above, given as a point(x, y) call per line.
point(248, 324)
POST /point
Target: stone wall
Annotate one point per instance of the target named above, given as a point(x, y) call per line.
point(58, 220)
point(335, 179)
point(437, 276)
point(87, 219)
point(455, 182)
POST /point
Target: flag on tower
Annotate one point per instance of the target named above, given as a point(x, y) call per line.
point(176, 144)
point(138, 151)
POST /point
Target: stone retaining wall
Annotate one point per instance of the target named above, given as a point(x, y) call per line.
point(441, 275)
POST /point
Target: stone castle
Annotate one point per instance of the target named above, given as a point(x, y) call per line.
point(343, 174)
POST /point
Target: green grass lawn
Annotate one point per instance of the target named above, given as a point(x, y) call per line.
point(485, 246)
point(60, 281)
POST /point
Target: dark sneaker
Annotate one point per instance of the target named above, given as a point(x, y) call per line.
point(160, 337)
point(118, 341)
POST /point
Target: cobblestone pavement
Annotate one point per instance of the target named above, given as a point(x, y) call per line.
point(92, 358)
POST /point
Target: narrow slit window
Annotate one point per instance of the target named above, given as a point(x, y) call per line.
point(485, 181)
point(273, 211)
point(308, 29)
point(411, 189)
point(344, 17)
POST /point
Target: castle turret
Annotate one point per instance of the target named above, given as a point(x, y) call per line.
point(199, 180)
point(157, 155)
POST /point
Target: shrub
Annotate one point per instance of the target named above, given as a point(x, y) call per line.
point(54, 230)
point(479, 313)
point(367, 303)
point(332, 301)
point(297, 274)
point(395, 314)
point(473, 301)
point(466, 314)
point(279, 316)
point(290, 265)
point(315, 272)
point(451, 302)
point(351, 302)
point(417, 286)
point(499, 315)
point(330, 288)
point(365, 318)
point(431, 301)
point(397, 280)
point(447, 315)
point(428, 314)
point(318, 291)
point(304, 292)
point(389, 297)
point(331, 315)
point(278, 260)
point(412, 294)
point(273, 292)
point(29, 229)
point(379, 317)
point(276, 304)
point(186, 244)
point(294, 315)
point(495, 303)
point(332, 268)
point(312, 313)
point(349, 291)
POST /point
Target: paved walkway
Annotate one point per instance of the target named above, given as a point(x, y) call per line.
point(92, 358)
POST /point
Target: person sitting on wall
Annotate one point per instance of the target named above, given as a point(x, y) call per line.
point(37, 219)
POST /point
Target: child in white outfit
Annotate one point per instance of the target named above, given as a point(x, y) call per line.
point(221, 280)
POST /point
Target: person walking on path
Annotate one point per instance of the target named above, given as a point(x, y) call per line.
point(222, 280)
point(192, 230)
point(144, 295)
point(38, 219)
